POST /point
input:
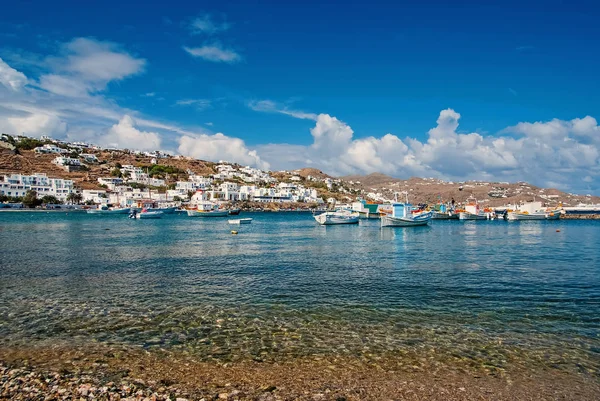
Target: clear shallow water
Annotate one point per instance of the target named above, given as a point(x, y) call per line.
point(490, 294)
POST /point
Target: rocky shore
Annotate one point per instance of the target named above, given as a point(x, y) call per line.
point(104, 374)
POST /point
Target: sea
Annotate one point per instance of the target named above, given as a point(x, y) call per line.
point(494, 295)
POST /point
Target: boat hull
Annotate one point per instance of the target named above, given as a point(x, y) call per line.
point(165, 210)
point(198, 213)
point(516, 216)
point(444, 216)
point(110, 211)
point(234, 212)
point(326, 219)
point(149, 215)
point(471, 216)
point(241, 221)
point(422, 220)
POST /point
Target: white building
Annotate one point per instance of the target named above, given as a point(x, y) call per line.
point(66, 161)
point(110, 182)
point(89, 158)
point(94, 195)
point(137, 174)
point(49, 148)
point(18, 185)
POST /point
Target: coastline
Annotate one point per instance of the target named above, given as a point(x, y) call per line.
point(125, 373)
point(67, 211)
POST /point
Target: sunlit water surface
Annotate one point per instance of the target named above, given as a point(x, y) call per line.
point(493, 294)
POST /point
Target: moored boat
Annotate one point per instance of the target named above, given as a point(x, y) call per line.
point(207, 209)
point(472, 211)
point(240, 221)
point(338, 217)
point(444, 216)
point(533, 211)
point(234, 212)
point(145, 214)
point(151, 205)
point(404, 215)
point(443, 212)
point(109, 210)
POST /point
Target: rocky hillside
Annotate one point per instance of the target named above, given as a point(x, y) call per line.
point(420, 190)
point(430, 190)
point(29, 162)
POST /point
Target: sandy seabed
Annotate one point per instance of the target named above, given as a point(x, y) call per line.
point(108, 373)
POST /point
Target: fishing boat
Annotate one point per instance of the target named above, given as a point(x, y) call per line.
point(472, 211)
point(533, 211)
point(443, 212)
point(145, 214)
point(234, 212)
point(207, 209)
point(105, 209)
point(402, 216)
point(241, 221)
point(337, 217)
point(153, 206)
point(405, 215)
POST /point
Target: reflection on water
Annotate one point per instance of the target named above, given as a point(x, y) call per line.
point(491, 293)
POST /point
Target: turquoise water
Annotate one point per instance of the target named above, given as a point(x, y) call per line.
point(491, 294)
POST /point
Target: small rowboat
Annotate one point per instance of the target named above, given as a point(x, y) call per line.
point(241, 221)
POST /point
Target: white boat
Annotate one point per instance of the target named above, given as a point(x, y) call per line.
point(444, 216)
point(165, 210)
point(146, 215)
point(472, 211)
point(404, 215)
point(207, 209)
point(109, 210)
point(472, 216)
point(539, 215)
point(241, 221)
point(533, 211)
point(338, 217)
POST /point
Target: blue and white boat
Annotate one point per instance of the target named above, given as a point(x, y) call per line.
point(338, 217)
point(405, 215)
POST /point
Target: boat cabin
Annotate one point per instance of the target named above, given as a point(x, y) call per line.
point(401, 210)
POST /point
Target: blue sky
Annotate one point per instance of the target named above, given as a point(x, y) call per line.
point(376, 68)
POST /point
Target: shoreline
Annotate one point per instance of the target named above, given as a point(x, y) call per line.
point(83, 211)
point(118, 373)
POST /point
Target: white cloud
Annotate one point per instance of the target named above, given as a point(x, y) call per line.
point(554, 153)
point(200, 104)
point(214, 52)
point(87, 66)
point(125, 134)
point(220, 147)
point(35, 124)
point(205, 24)
point(11, 78)
point(268, 106)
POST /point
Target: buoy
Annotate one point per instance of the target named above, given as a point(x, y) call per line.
point(233, 232)
point(557, 231)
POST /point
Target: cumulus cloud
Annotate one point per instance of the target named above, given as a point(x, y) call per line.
point(125, 134)
point(220, 147)
point(554, 153)
point(215, 53)
point(35, 124)
point(11, 78)
point(87, 66)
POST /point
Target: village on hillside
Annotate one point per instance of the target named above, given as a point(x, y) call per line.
point(57, 171)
